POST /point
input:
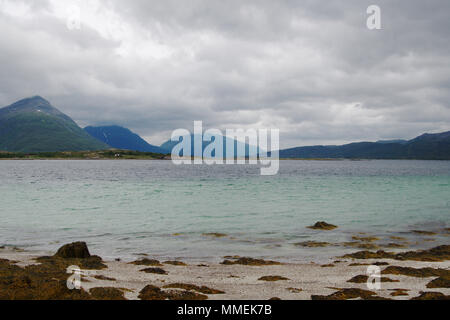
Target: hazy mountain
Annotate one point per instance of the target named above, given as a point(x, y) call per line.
point(34, 125)
point(168, 146)
point(427, 147)
point(122, 138)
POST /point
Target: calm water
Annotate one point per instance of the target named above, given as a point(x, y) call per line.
point(123, 208)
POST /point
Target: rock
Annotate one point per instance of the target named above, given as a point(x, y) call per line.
point(251, 262)
point(155, 270)
point(294, 290)
point(273, 278)
point(322, 225)
point(151, 292)
point(418, 273)
point(76, 250)
point(441, 282)
point(147, 262)
point(427, 233)
point(330, 265)
point(215, 235)
point(106, 294)
point(184, 295)
point(175, 263)
point(192, 287)
point(431, 296)
point(440, 253)
point(104, 278)
point(364, 278)
point(351, 293)
point(365, 239)
point(399, 292)
point(312, 244)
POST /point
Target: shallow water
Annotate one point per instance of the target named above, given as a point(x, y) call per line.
point(123, 208)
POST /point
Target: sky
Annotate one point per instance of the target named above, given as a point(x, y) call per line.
point(312, 69)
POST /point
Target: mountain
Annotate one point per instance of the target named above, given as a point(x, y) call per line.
point(168, 146)
point(425, 147)
point(34, 125)
point(122, 138)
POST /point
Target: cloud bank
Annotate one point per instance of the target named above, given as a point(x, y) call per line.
point(310, 68)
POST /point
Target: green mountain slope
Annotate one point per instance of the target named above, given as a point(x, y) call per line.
point(34, 125)
point(425, 147)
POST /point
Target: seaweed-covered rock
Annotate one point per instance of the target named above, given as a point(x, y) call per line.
point(250, 262)
point(431, 296)
point(441, 282)
point(76, 250)
point(151, 292)
point(36, 282)
point(417, 272)
point(322, 225)
point(192, 287)
point(155, 271)
point(273, 278)
point(440, 253)
point(106, 293)
point(312, 244)
point(176, 263)
point(363, 279)
point(349, 293)
point(399, 292)
point(147, 262)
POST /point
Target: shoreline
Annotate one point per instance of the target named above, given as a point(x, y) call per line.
point(293, 281)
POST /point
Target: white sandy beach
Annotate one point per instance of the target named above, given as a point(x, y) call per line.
point(241, 281)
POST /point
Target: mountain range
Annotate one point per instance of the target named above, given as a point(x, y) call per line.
point(249, 152)
point(122, 138)
point(34, 125)
point(427, 147)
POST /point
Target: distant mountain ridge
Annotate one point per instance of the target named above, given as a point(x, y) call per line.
point(34, 125)
point(425, 147)
point(122, 138)
point(168, 146)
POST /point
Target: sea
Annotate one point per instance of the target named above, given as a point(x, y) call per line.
point(130, 208)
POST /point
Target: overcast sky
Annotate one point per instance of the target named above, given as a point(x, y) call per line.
point(310, 68)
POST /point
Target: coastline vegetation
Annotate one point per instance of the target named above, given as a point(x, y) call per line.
point(84, 155)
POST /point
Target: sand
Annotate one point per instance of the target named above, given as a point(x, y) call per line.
point(242, 282)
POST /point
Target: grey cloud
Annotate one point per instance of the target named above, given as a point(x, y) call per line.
point(311, 68)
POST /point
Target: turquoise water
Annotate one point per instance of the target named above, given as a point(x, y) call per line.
point(124, 208)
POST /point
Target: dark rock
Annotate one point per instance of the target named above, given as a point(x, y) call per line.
point(322, 225)
point(251, 262)
point(440, 253)
point(312, 244)
point(155, 270)
point(147, 262)
point(176, 263)
point(76, 250)
point(441, 282)
point(431, 296)
point(419, 273)
point(106, 294)
point(364, 278)
point(399, 292)
point(192, 287)
point(273, 278)
point(352, 293)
